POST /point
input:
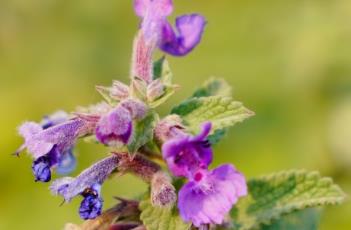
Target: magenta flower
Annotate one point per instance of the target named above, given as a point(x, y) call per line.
point(156, 28)
point(209, 196)
point(187, 154)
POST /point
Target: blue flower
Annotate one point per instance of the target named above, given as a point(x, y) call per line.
point(88, 184)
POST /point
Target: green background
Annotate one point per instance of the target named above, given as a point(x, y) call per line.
point(289, 61)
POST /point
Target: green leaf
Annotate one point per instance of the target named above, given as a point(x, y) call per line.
point(161, 218)
point(217, 136)
point(162, 71)
point(223, 112)
point(214, 87)
point(271, 197)
point(307, 219)
point(143, 132)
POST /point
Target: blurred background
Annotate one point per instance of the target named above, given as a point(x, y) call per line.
point(289, 61)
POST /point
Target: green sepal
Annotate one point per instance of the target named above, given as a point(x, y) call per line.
point(143, 132)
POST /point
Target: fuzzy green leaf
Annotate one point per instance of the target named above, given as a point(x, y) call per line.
point(307, 219)
point(161, 218)
point(214, 87)
point(223, 112)
point(271, 197)
point(143, 132)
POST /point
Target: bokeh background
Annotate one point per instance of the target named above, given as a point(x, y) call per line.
point(289, 61)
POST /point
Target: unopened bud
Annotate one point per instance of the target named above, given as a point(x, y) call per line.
point(139, 88)
point(162, 191)
point(136, 108)
point(155, 90)
point(119, 90)
point(168, 128)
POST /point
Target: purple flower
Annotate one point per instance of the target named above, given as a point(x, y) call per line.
point(115, 128)
point(187, 154)
point(157, 30)
point(208, 197)
point(88, 184)
point(40, 141)
point(46, 151)
point(69, 187)
point(189, 28)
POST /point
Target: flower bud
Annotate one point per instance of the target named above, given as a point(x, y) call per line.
point(155, 90)
point(119, 90)
point(168, 128)
point(162, 191)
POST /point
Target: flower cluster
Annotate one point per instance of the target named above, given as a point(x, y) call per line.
point(126, 123)
point(209, 194)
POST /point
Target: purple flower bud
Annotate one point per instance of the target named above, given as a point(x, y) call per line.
point(190, 29)
point(115, 128)
point(69, 187)
point(162, 191)
point(136, 108)
point(210, 195)
point(187, 154)
point(168, 128)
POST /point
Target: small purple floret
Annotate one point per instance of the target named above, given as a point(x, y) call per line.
point(210, 195)
point(187, 154)
point(115, 128)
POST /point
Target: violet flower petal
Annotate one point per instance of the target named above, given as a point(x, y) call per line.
point(69, 187)
point(186, 154)
point(190, 29)
point(210, 196)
